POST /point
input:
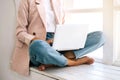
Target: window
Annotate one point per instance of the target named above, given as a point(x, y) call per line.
point(102, 15)
point(86, 12)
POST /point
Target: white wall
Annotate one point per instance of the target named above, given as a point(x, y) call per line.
point(7, 38)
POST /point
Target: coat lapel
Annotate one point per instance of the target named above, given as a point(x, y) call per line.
point(56, 8)
point(41, 10)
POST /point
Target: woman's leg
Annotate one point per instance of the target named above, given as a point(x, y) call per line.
point(42, 53)
point(94, 41)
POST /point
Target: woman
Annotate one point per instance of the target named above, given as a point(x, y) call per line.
point(35, 30)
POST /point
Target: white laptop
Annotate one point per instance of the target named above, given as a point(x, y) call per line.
point(70, 37)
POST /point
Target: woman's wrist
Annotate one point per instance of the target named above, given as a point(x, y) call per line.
point(35, 38)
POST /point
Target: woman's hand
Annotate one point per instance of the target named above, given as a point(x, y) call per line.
point(50, 41)
point(35, 38)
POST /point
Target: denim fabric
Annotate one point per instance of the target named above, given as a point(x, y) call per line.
point(42, 53)
point(94, 40)
point(49, 35)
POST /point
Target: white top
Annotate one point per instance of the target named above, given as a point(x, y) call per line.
point(50, 16)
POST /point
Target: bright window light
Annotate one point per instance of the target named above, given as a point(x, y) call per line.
point(87, 4)
point(116, 2)
point(95, 20)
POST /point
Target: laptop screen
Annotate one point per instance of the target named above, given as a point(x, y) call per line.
point(70, 36)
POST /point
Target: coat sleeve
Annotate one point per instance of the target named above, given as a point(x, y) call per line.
point(22, 23)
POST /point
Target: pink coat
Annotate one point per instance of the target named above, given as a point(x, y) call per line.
point(31, 23)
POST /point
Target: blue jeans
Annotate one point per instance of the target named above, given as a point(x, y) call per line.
point(42, 53)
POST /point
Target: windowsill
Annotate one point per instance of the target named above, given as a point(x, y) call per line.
point(117, 63)
point(98, 70)
point(51, 76)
